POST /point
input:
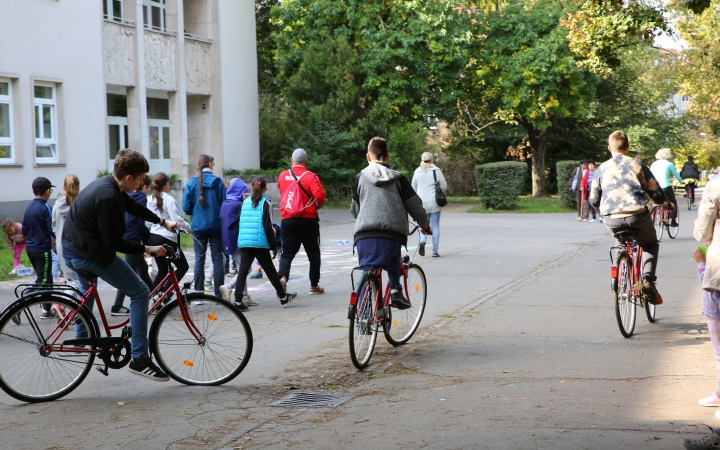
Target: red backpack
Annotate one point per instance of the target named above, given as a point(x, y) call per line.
point(292, 201)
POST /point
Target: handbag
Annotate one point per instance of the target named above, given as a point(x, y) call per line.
point(440, 198)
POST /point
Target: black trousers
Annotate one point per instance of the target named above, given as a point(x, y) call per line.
point(42, 263)
point(247, 256)
point(294, 233)
point(137, 263)
point(670, 194)
point(181, 265)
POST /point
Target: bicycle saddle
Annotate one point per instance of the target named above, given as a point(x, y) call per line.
point(626, 235)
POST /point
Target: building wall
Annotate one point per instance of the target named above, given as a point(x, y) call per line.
point(56, 41)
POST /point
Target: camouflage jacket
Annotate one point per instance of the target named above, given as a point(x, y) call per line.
point(623, 187)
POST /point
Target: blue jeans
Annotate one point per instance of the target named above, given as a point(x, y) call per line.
point(119, 275)
point(216, 252)
point(435, 224)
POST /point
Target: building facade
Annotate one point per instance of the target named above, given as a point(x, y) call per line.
point(80, 80)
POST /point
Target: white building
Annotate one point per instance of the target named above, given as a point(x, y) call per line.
point(81, 79)
point(678, 105)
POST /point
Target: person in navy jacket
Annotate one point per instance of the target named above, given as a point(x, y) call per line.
point(37, 229)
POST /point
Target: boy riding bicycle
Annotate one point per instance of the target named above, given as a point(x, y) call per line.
point(92, 235)
point(382, 198)
point(620, 191)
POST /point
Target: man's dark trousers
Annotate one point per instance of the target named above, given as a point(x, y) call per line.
point(296, 231)
point(42, 263)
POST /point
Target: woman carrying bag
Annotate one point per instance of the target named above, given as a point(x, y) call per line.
point(430, 185)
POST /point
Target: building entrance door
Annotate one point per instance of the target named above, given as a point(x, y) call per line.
point(117, 137)
point(159, 145)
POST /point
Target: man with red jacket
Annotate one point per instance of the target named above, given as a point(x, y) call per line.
point(305, 228)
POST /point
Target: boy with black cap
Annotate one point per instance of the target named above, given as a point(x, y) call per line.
point(37, 229)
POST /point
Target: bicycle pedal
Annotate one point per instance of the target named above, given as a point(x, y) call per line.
point(102, 371)
point(638, 287)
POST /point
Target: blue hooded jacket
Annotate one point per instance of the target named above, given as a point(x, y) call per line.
point(135, 229)
point(204, 218)
point(229, 213)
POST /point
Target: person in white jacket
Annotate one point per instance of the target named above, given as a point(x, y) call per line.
point(164, 206)
point(424, 181)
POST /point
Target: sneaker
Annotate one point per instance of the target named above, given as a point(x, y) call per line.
point(289, 298)
point(46, 314)
point(421, 250)
point(121, 311)
point(316, 290)
point(13, 272)
point(673, 223)
point(209, 286)
point(708, 441)
point(283, 281)
point(248, 301)
point(653, 296)
point(712, 400)
point(592, 221)
point(397, 300)
point(226, 292)
point(146, 368)
point(600, 220)
point(241, 306)
point(436, 255)
point(256, 275)
point(579, 218)
point(584, 220)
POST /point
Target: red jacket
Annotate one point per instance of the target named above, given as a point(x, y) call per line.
point(310, 182)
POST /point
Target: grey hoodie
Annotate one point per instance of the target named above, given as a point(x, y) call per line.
point(378, 193)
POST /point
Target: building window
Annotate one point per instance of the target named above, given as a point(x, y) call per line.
point(117, 124)
point(685, 99)
point(154, 14)
point(45, 123)
point(7, 153)
point(113, 10)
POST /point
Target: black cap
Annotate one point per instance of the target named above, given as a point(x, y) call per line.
point(41, 184)
point(583, 161)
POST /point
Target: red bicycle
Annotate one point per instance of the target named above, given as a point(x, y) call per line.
point(370, 308)
point(626, 283)
point(661, 221)
point(197, 339)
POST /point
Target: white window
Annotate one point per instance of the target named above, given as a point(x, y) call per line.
point(7, 152)
point(685, 99)
point(113, 10)
point(154, 14)
point(45, 123)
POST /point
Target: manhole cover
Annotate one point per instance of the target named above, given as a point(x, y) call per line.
point(307, 399)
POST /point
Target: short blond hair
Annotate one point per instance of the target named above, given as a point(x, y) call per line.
point(663, 153)
point(618, 141)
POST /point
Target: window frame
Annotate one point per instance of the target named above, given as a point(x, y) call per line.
point(8, 141)
point(685, 98)
point(51, 142)
point(147, 6)
point(109, 11)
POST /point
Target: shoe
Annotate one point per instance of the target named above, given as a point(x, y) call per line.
point(121, 311)
point(673, 223)
point(226, 292)
point(579, 218)
point(436, 255)
point(13, 272)
point(209, 286)
point(46, 314)
point(600, 220)
point(316, 290)
point(248, 301)
point(241, 306)
point(232, 271)
point(592, 221)
point(584, 220)
point(283, 281)
point(653, 296)
point(708, 441)
point(255, 275)
point(712, 400)
point(289, 298)
point(146, 368)
point(397, 300)
point(421, 250)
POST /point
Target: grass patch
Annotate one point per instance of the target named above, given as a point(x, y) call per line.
point(447, 316)
point(338, 203)
point(334, 325)
point(528, 204)
point(463, 200)
point(6, 263)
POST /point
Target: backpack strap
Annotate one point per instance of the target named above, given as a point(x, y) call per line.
point(297, 180)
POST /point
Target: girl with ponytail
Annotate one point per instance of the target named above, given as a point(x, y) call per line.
point(256, 239)
point(204, 194)
point(71, 186)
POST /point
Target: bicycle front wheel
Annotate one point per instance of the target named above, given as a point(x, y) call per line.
point(31, 368)
point(363, 326)
point(673, 231)
point(405, 322)
point(658, 223)
point(219, 353)
point(624, 303)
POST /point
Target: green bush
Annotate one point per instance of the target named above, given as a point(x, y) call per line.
point(500, 183)
point(564, 170)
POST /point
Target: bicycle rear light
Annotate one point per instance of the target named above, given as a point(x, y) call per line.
point(613, 271)
point(353, 298)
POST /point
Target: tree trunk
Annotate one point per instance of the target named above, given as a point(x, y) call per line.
point(538, 144)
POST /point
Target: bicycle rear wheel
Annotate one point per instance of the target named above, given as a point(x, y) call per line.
point(657, 217)
point(650, 311)
point(673, 231)
point(363, 326)
point(30, 369)
point(624, 303)
point(404, 322)
point(224, 348)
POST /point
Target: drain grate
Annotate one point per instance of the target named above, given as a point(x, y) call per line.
point(309, 399)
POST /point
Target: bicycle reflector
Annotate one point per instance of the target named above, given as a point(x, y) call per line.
point(353, 298)
point(613, 271)
point(188, 363)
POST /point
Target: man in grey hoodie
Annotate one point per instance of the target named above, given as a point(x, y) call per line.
point(381, 228)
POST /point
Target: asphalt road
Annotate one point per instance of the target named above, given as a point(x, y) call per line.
point(518, 349)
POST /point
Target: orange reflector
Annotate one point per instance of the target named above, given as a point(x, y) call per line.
point(188, 363)
point(394, 323)
point(613, 271)
point(353, 298)
point(212, 317)
point(417, 288)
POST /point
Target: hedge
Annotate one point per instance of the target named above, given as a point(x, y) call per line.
point(564, 170)
point(500, 183)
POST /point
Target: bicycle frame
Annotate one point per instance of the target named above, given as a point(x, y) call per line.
point(634, 252)
point(376, 318)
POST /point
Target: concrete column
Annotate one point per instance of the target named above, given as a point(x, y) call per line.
point(178, 102)
point(138, 133)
